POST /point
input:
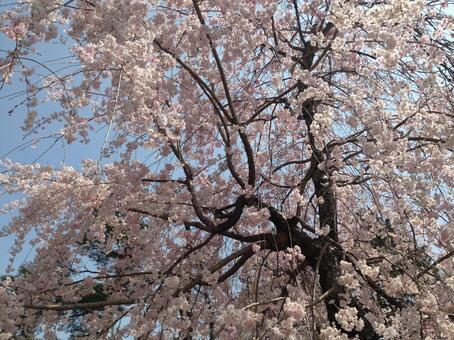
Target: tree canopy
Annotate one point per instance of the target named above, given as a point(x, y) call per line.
point(297, 181)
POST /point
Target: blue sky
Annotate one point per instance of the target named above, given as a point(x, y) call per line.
point(17, 147)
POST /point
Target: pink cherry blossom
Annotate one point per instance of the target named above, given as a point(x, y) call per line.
point(273, 170)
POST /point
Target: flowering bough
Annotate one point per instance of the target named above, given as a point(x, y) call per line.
point(298, 178)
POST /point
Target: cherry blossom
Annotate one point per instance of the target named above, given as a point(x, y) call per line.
point(297, 181)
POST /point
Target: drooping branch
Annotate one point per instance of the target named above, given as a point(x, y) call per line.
point(238, 264)
point(247, 252)
point(85, 305)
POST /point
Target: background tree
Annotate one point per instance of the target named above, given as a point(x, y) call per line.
point(298, 178)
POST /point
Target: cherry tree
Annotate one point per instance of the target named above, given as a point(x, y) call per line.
point(297, 182)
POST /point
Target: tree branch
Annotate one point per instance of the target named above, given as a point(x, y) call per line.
point(86, 305)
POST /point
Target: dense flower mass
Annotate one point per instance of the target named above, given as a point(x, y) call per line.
point(298, 178)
